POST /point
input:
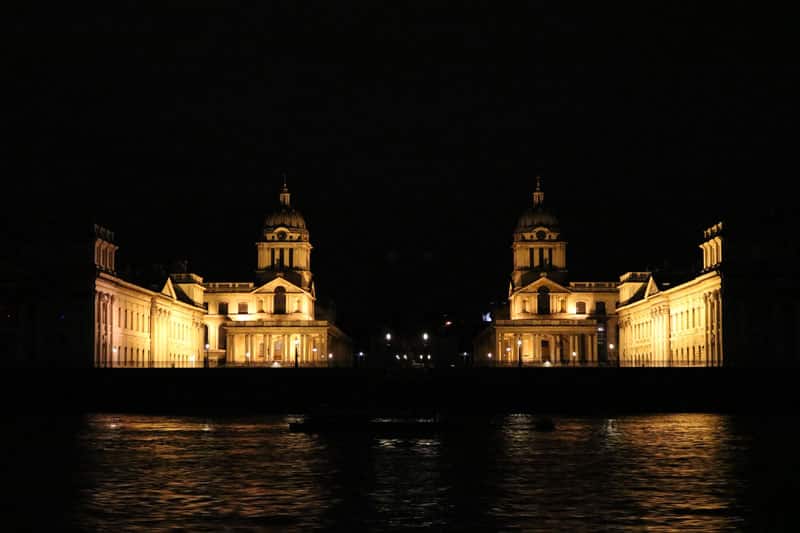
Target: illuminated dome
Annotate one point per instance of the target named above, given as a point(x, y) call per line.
point(537, 216)
point(286, 216)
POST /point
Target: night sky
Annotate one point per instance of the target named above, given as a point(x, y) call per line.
point(410, 138)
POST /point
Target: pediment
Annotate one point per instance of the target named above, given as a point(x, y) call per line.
point(544, 282)
point(652, 288)
point(169, 290)
point(273, 284)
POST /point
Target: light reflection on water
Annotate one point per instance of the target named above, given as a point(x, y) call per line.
point(656, 472)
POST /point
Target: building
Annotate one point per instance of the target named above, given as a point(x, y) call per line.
point(271, 320)
point(552, 321)
point(667, 324)
point(187, 322)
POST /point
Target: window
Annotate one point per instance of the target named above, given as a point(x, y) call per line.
point(580, 308)
point(222, 308)
point(222, 339)
point(243, 308)
point(279, 305)
point(543, 301)
point(291, 258)
point(600, 308)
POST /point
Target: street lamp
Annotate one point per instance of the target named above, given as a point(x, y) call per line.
point(296, 355)
point(247, 357)
point(489, 355)
point(574, 358)
point(205, 360)
point(113, 354)
point(519, 353)
point(330, 359)
point(611, 353)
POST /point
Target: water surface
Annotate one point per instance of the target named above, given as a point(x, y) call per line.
point(110, 472)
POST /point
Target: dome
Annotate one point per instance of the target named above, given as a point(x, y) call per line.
point(537, 216)
point(285, 216)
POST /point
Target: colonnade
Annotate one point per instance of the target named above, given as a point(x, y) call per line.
point(538, 348)
point(259, 348)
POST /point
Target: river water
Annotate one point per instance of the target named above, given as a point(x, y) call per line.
point(661, 472)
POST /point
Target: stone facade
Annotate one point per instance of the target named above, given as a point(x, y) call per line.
point(552, 321)
point(188, 323)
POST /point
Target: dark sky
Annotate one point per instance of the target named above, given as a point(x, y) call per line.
point(411, 137)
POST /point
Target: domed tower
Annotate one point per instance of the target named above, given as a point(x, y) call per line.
point(538, 247)
point(285, 250)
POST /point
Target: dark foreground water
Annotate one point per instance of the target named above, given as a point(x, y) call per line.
point(107, 472)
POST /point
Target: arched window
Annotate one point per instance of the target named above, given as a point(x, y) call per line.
point(279, 306)
point(580, 308)
point(543, 301)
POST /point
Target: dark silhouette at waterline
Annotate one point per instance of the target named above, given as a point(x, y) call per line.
point(465, 390)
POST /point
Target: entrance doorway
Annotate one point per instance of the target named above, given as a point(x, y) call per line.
point(546, 352)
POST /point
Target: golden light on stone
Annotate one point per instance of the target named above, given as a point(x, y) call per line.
point(253, 322)
point(635, 321)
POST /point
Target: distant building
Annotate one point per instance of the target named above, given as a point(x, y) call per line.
point(188, 322)
point(552, 321)
point(740, 308)
point(666, 324)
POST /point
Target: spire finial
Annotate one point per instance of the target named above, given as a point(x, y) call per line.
point(285, 196)
point(538, 195)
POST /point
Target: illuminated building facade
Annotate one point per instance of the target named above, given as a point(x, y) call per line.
point(552, 321)
point(681, 325)
point(266, 322)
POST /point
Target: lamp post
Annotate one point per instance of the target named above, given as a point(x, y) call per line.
point(489, 355)
point(574, 358)
point(247, 357)
point(296, 355)
point(205, 359)
point(113, 354)
point(388, 353)
point(519, 353)
point(330, 359)
point(611, 353)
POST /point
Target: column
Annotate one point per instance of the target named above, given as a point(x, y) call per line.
point(718, 318)
point(95, 343)
point(706, 328)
